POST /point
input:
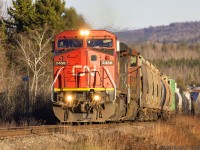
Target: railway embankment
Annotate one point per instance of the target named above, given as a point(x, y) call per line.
point(177, 132)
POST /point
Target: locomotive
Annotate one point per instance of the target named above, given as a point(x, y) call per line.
point(97, 78)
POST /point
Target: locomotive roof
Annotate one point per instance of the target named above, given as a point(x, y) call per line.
point(100, 33)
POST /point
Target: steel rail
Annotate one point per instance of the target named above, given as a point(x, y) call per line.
point(50, 129)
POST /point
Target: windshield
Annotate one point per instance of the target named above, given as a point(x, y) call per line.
point(99, 43)
point(67, 43)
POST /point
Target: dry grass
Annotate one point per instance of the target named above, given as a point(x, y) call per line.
point(176, 133)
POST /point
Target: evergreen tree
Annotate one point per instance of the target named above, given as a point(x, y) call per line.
point(55, 14)
point(50, 12)
point(73, 20)
point(26, 15)
point(22, 15)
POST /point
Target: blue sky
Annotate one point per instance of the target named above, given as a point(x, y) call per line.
point(136, 14)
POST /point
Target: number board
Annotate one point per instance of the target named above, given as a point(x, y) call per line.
point(60, 63)
point(107, 63)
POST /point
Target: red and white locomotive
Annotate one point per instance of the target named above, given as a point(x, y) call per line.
point(98, 79)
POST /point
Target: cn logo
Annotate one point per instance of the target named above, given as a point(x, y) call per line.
point(84, 70)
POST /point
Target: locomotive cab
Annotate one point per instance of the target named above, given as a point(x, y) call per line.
point(85, 68)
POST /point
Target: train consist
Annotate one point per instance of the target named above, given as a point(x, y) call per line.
point(97, 79)
point(188, 102)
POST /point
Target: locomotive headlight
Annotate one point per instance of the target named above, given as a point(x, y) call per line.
point(69, 98)
point(96, 97)
point(84, 32)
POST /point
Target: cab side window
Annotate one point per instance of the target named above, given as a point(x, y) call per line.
point(133, 61)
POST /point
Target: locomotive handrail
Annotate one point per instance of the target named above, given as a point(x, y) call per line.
point(112, 81)
point(52, 86)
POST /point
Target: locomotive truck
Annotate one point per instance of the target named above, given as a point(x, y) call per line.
point(97, 78)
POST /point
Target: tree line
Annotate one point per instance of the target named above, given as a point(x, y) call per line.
point(191, 63)
point(27, 29)
point(181, 61)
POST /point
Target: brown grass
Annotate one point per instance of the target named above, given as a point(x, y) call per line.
point(180, 132)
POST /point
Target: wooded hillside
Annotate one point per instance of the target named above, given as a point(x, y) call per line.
point(174, 49)
point(188, 32)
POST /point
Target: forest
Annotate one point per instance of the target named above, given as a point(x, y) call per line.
point(27, 29)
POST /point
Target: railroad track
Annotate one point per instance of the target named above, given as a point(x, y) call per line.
point(50, 129)
point(24, 131)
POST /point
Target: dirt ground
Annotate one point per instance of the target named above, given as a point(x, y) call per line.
point(179, 132)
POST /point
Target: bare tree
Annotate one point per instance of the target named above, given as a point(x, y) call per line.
point(2, 51)
point(9, 77)
point(2, 68)
point(3, 8)
point(34, 49)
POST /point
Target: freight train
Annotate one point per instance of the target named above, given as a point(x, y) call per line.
point(97, 78)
